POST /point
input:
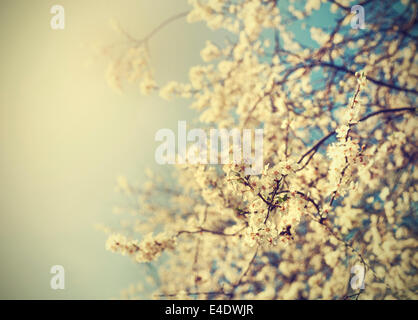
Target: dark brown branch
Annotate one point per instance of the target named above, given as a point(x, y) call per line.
point(247, 269)
point(156, 29)
point(194, 293)
point(375, 81)
point(330, 134)
point(203, 230)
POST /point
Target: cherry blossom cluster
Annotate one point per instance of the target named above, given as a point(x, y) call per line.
point(346, 152)
point(273, 212)
point(147, 250)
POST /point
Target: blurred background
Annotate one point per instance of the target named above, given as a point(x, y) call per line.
point(65, 137)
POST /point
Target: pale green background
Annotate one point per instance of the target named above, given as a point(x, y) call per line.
point(65, 136)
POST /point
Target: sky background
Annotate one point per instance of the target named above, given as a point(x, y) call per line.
point(65, 136)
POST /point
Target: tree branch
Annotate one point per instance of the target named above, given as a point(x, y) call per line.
point(316, 146)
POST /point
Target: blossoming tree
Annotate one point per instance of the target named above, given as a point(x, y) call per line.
point(333, 214)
